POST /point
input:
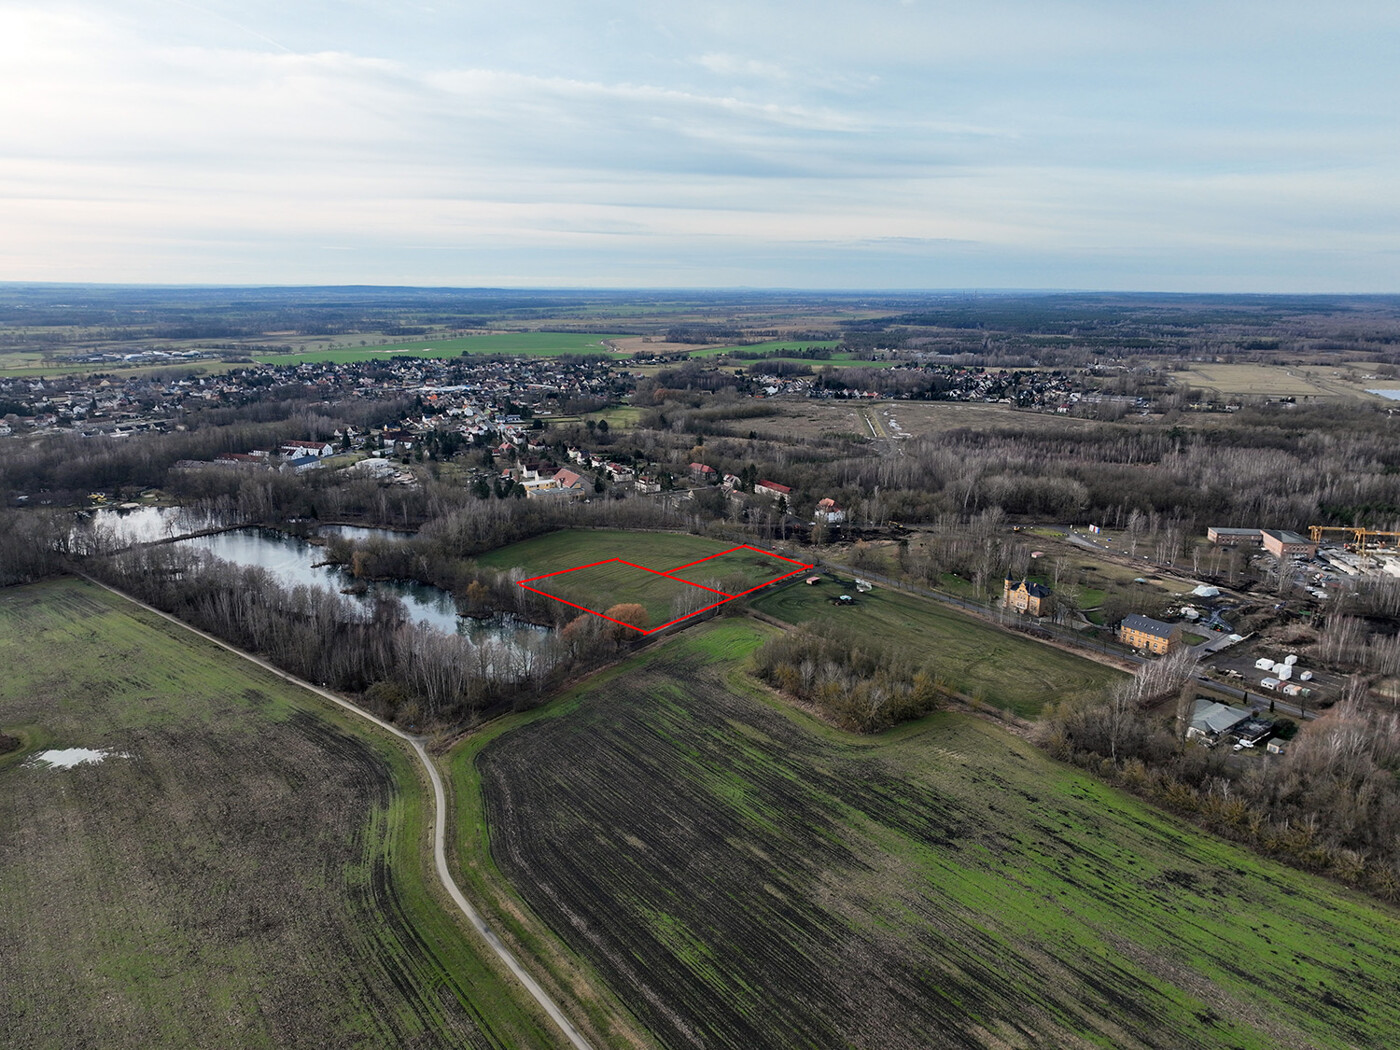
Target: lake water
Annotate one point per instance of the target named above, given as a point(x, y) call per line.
point(146, 524)
point(1393, 395)
point(361, 534)
point(293, 562)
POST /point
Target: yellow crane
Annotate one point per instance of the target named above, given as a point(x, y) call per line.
point(1315, 532)
point(1359, 536)
point(1362, 535)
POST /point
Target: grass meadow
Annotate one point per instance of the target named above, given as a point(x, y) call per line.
point(746, 877)
point(248, 868)
point(598, 587)
point(972, 657)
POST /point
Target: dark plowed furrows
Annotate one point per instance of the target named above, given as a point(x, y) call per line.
point(742, 882)
point(299, 793)
point(696, 870)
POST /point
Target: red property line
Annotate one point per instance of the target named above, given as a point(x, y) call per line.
point(801, 566)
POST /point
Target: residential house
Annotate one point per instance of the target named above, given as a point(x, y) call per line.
point(829, 512)
point(773, 490)
point(1024, 596)
point(1143, 632)
point(300, 449)
point(569, 480)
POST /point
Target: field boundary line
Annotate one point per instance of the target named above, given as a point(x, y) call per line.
point(541, 997)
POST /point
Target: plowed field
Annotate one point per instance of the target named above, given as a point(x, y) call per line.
point(746, 878)
point(244, 870)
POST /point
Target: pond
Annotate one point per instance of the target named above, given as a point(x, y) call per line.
point(294, 562)
point(143, 524)
point(364, 534)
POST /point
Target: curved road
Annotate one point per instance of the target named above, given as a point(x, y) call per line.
point(547, 1004)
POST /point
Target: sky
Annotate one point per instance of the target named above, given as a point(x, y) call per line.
point(1148, 145)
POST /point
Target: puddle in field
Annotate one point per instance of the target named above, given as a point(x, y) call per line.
point(66, 758)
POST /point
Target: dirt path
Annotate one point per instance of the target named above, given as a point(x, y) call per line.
point(547, 1004)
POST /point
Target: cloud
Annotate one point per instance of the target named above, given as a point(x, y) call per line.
point(148, 138)
point(727, 65)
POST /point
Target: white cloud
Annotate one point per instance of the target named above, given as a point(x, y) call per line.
point(163, 140)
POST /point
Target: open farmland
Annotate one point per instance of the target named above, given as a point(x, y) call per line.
point(739, 570)
point(566, 549)
point(970, 656)
point(243, 870)
point(536, 344)
point(1261, 380)
point(747, 878)
point(774, 346)
point(813, 418)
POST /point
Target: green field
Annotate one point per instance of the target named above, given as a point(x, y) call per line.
point(598, 588)
point(568, 548)
point(747, 878)
point(602, 586)
point(534, 344)
point(836, 361)
point(972, 657)
point(739, 570)
point(773, 346)
point(248, 870)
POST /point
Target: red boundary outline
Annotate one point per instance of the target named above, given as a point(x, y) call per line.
point(801, 567)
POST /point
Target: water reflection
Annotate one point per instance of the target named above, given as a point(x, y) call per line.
point(145, 524)
point(294, 562)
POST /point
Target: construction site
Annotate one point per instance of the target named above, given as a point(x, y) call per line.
point(1357, 551)
point(1350, 550)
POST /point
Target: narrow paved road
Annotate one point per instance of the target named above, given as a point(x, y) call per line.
point(547, 1004)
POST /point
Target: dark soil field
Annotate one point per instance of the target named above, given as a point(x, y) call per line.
point(747, 878)
point(244, 869)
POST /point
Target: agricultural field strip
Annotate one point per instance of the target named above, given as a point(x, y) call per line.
point(550, 1007)
point(669, 574)
point(999, 894)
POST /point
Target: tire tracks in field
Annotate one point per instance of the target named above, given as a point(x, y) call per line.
point(546, 1003)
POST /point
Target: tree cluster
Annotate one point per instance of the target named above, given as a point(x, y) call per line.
point(854, 683)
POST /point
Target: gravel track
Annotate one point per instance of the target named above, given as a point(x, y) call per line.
point(546, 1003)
